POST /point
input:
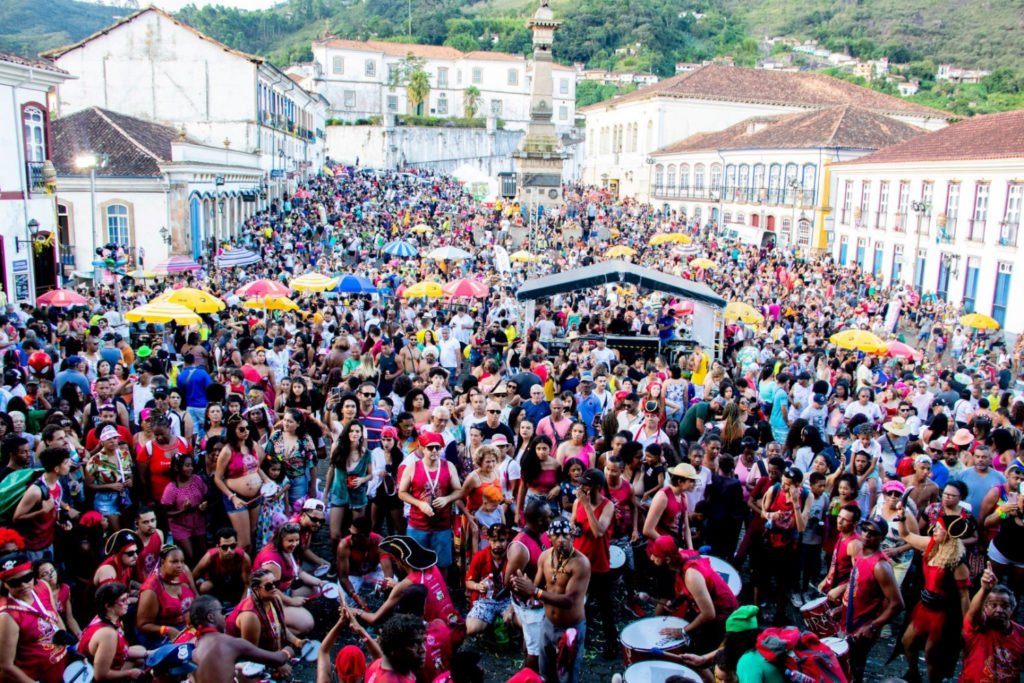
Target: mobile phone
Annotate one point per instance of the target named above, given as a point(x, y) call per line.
point(1012, 498)
point(336, 391)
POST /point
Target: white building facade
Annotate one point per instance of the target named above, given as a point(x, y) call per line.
point(941, 213)
point(29, 247)
point(361, 80)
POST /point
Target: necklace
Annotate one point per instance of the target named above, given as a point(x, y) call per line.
point(560, 567)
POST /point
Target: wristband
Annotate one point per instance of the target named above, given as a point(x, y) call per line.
point(1002, 515)
point(536, 593)
point(163, 630)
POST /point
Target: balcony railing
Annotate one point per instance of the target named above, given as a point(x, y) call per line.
point(733, 195)
point(67, 255)
point(1008, 232)
point(34, 174)
point(976, 230)
point(901, 222)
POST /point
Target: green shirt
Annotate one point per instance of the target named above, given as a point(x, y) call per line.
point(688, 426)
point(753, 668)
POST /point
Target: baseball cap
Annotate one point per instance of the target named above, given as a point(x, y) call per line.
point(592, 477)
point(664, 548)
point(820, 399)
point(876, 523)
point(587, 377)
point(843, 432)
point(894, 485)
point(313, 504)
point(109, 432)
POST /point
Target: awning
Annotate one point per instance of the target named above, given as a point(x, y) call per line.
point(618, 271)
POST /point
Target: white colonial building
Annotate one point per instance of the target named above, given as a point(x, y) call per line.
point(942, 211)
point(152, 188)
point(766, 176)
point(151, 66)
point(623, 132)
point(359, 80)
point(29, 245)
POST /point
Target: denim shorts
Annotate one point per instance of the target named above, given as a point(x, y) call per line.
point(107, 503)
point(229, 507)
point(438, 541)
point(298, 488)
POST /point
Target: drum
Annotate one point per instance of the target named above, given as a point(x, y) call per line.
point(658, 672)
point(821, 618)
point(727, 572)
point(310, 650)
point(78, 671)
point(616, 557)
point(640, 637)
point(842, 650)
point(250, 669)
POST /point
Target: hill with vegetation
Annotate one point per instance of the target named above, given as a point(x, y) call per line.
point(28, 27)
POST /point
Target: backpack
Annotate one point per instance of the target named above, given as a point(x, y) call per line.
point(790, 650)
point(13, 488)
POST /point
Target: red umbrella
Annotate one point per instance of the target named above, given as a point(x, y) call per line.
point(63, 298)
point(683, 307)
point(466, 287)
point(250, 374)
point(303, 194)
point(898, 349)
point(262, 288)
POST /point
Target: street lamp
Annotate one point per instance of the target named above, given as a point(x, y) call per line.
point(33, 231)
point(165, 235)
point(792, 185)
point(650, 177)
point(920, 208)
point(90, 161)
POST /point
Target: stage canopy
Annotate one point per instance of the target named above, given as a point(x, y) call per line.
point(618, 271)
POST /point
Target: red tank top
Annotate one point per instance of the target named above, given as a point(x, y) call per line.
point(426, 486)
point(289, 569)
point(671, 521)
point(439, 603)
point(122, 575)
point(864, 599)
point(596, 549)
point(172, 609)
point(377, 674)
point(476, 496)
point(36, 654)
point(39, 532)
point(363, 558)
point(722, 597)
point(120, 652)
point(622, 522)
point(533, 548)
point(271, 624)
point(783, 532)
point(842, 563)
point(148, 557)
point(936, 579)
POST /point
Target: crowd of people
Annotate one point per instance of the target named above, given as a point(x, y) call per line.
point(184, 500)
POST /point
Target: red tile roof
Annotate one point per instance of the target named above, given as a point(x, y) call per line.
point(136, 147)
point(495, 56)
point(846, 127)
point(783, 88)
point(395, 49)
point(28, 61)
point(993, 136)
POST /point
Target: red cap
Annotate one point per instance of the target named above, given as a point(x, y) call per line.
point(619, 395)
point(526, 676)
point(428, 438)
point(389, 431)
point(664, 548)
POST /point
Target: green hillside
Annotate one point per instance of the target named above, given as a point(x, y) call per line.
point(28, 27)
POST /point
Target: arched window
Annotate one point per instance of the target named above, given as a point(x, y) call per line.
point(758, 180)
point(35, 134)
point(671, 177)
point(740, 219)
point(744, 183)
point(698, 178)
point(117, 224)
point(774, 183)
point(635, 128)
point(659, 176)
point(730, 181)
point(791, 176)
point(810, 183)
point(726, 217)
point(716, 177)
point(684, 177)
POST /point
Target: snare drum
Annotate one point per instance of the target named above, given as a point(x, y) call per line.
point(821, 618)
point(78, 671)
point(616, 557)
point(310, 650)
point(727, 572)
point(658, 672)
point(640, 637)
point(842, 650)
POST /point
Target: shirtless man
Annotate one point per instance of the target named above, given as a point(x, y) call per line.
point(563, 575)
point(217, 653)
point(522, 557)
point(920, 488)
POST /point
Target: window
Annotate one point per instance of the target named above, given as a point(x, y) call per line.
point(792, 184)
point(671, 177)
point(117, 224)
point(458, 76)
point(952, 211)
point(716, 178)
point(865, 202)
point(924, 221)
point(862, 245)
point(919, 265)
point(636, 128)
point(338, 65)
point(698, 177)
point(684, 178)
point(883, 205)
point(844, 217)
point(902, 205)
point(659, 176)
point(563, 115)
point(744, 183)
point(513, 77)
point(371, 68)
point(1002, 295)
point(971, 284)
point(740, 219)
point(730, 181)
point(350, 99)
point(442, 77)
point(393, 73)
point(35, 134)
point(392, 102)
point(810, 182)
point(774, 183)
point(563, 88)
point(496, 107)
point(980, 214)
point(897, 264)
point(1011, 216)
point(442, 105)
point(478, 75)
point(758, 179)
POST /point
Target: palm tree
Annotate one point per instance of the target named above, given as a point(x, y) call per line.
point(471, 100)
point(417, 90)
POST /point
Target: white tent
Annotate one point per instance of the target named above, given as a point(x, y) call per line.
point(479, 184)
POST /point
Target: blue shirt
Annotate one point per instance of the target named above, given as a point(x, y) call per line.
point(978, 485)
point(779, 425)
point(194, 380)
point(588, 408)
point(536, 412)
point(940, 474)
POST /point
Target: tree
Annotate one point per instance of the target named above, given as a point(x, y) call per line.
point(417, 89)
point(471, 101)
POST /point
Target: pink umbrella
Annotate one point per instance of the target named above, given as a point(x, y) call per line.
point(262, 288)
point(898, 349)
point(683, 307)
point(466, 287)
point(62, 298)
point(303, 194)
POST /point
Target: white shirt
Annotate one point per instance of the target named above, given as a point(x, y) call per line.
point(449, 354)
point(462, 327)
point(278, 362)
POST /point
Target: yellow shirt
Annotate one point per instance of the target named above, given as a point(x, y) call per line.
point(702, 369)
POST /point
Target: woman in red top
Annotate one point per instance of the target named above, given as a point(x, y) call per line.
point(164, 599)
point(103, 642)
point(259, 618)
point(593, 513)
point(154, 459)
point(668, 514)
point(278, 557)
point(28, 624)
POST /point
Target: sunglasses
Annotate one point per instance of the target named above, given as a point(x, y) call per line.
point(894, 494)
point(241, 428)
point(433, 447)
point(316, 520)
point(130, 553)
point(20, 581)
point(494, 412)
point(229, 546)
point(366, 395)
point(270, 585)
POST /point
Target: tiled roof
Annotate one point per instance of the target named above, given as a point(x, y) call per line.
point(135, 146)
point(57, 52)
point(494, 56)
point(846, 127)
point(993, 136)
point(395, 49)
point(28, 61)
point(784, 88)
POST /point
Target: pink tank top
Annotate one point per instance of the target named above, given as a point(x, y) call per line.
point(289, 569)
point(439, 603)
point(172, 609)
point(671, 518)
point(428, 486)
point(241, 464)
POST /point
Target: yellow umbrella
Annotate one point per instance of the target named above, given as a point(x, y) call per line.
point(313, 282)
point(193, 299)
point(861, 340)
point(703, 263)
point(427, 288)
point(422, 227)
point(737, 310)
point(142, 274)
point(666, 237)
point(523, 255)
point(271, 303)
point(162, 312)
point(620, 250)
point(979, 321)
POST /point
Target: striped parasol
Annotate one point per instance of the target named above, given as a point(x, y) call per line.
point(61, 298)
point(162, 312)
point(232, 258)
point(176, 264)
point(400, 249)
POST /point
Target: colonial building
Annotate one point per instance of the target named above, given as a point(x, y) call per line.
point(623, 132)
point(28, 230)
point(361, 80)
point(941, 211)
point(148, 183)
point(151, 66)
point(767, 176)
